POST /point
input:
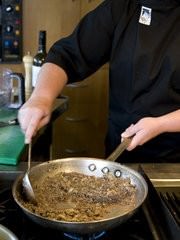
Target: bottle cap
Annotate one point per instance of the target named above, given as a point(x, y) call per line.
point(28, 58)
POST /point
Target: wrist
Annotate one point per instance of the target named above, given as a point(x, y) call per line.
point(162, 125)
point(41, 101)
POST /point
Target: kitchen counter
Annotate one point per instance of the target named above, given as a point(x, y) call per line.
point(161, 174)
point(12, 147)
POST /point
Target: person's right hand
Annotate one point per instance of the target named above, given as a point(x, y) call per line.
point(33, 115)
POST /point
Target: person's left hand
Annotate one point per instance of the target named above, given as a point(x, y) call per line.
point(144, 130)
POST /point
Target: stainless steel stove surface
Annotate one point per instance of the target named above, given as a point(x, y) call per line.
point(157, 219)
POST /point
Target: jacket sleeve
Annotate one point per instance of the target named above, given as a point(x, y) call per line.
point(89, 46)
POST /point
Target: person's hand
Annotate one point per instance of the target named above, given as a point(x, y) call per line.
point(144, 130)
point(33, 115)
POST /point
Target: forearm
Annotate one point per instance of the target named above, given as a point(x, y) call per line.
point(36, 112)
point(50, 83)
point(170, 122)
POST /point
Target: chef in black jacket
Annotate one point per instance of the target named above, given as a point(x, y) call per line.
point(141, 41)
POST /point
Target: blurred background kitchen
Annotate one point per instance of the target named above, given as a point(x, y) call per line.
point(80, 131)
point(76, 131)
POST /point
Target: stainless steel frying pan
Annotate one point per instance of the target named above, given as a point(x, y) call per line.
point(87, 166)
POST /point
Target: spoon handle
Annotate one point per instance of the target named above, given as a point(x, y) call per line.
point(29, 155)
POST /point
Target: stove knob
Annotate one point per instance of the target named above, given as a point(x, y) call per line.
point(9, 28)
point(9, 8)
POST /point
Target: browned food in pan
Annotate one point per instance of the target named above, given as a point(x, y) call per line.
point(75, 197)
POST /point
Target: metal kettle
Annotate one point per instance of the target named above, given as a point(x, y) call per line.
point(12, 90)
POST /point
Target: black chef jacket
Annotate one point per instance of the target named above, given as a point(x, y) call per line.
point(144, 62)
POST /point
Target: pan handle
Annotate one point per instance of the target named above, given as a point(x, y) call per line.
point(119, 149)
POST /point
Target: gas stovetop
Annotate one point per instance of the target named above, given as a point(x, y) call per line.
point(157, 219)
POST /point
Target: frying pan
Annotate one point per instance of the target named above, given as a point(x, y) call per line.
point(88, 166)
point(6, 234)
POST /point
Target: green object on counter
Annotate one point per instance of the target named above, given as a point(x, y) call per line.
point(12, 144)
point(11, 139)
